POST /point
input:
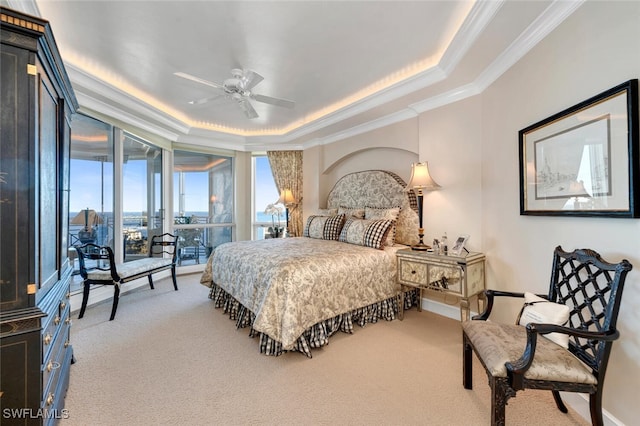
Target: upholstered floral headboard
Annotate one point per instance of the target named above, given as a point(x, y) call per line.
point(379, 189)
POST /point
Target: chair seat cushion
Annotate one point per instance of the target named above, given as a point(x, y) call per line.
point(495, 344)
point(129, 269)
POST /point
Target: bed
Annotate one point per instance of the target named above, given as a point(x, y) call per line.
point(294, 293)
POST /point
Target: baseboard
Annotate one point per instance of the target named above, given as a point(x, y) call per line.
point(580, 404)
point(577, 401)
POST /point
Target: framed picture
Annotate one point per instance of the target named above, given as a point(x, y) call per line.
point(584, 160)
point(458, 246)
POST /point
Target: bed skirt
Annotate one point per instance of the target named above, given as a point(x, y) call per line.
point(317, 335)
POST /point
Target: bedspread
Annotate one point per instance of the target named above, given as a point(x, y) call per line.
point(291, 284)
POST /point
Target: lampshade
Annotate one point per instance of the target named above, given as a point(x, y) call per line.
point(420, 177)
point(286, 197)
point(87, 217)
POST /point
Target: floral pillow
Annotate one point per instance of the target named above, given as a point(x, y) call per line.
point(351, 211)
point(327, 212)
point(384, 213)
point(324, 227)
point(539, 310)
point(368, 233)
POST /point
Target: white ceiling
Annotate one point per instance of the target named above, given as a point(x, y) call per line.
point(348, 65)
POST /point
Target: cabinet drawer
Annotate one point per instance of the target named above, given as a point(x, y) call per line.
point(56, 306)
point(412, 273)
point(53, 366)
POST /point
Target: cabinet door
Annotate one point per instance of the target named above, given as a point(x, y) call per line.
point(16, 178)
point(20, 377)
point(49, 201)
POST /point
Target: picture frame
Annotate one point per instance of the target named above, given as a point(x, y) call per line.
point(584, 161)
point(458, 245)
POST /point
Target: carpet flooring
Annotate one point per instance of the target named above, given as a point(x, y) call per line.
point(171, 358)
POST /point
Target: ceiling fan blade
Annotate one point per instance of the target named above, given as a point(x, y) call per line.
point(205, 100)
point(198, 80)
point(247, 108)
point(251, 79)
point(285, 103)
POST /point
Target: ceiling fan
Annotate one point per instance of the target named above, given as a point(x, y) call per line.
point(238, 88)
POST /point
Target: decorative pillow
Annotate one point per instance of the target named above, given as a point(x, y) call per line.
point(368, 233)
point(324, 227)
point(539, 310)
point(327, 212)
point(351, 211)
point(384, 213)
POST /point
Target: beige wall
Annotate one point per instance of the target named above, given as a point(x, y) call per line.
point(472, 150)
point(391, 148)
point(595, 49)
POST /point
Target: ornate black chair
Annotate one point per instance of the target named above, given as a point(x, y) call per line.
point(98, 267)
point(518, 357)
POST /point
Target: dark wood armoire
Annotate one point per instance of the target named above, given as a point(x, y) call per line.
point(36, 103)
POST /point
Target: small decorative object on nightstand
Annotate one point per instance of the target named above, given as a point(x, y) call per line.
point(462, 276)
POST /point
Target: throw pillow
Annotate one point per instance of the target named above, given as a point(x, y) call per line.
point(324, 227)
point(351, 211)
point(327, 212)
point(368, 233)
point(539, 310)
point(384, 213)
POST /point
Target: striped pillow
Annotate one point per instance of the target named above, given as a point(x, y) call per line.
point(324, 227)
point(368, 233)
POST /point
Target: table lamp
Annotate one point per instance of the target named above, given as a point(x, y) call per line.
point(421, 181)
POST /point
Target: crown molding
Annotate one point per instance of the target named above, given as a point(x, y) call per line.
point(92, 104)
point(474, 24)
point(384, 121)
point(546, 22)
point(86, 84)
point(481, 14)
point(149, 118)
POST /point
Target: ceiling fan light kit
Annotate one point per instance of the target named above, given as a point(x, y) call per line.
point(238, 88)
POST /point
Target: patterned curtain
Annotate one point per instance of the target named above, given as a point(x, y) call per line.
point(286, 167)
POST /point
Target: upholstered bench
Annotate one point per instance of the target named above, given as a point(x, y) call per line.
point(107, 272)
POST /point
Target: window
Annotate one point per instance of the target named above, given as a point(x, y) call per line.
point(202, 202)
point(265, 193)
point(142, 204)
point(91, 182)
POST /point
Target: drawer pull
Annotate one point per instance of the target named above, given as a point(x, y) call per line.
point(52, 366)
point(68, 295)
point(56, 320)
point(413, 272)
point(50, 398)
point(68, 320)
point(47, 339)
point(66, 344)
point(63, 305)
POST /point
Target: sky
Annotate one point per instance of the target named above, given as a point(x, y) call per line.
point(86, 188)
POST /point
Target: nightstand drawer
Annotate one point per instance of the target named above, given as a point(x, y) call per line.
point(461, 276)
point(446, 278)
point(412, 273)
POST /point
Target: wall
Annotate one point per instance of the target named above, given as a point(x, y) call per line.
point(593, 50)
point(450, 140)
point(391, 148)
point(472, 150)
